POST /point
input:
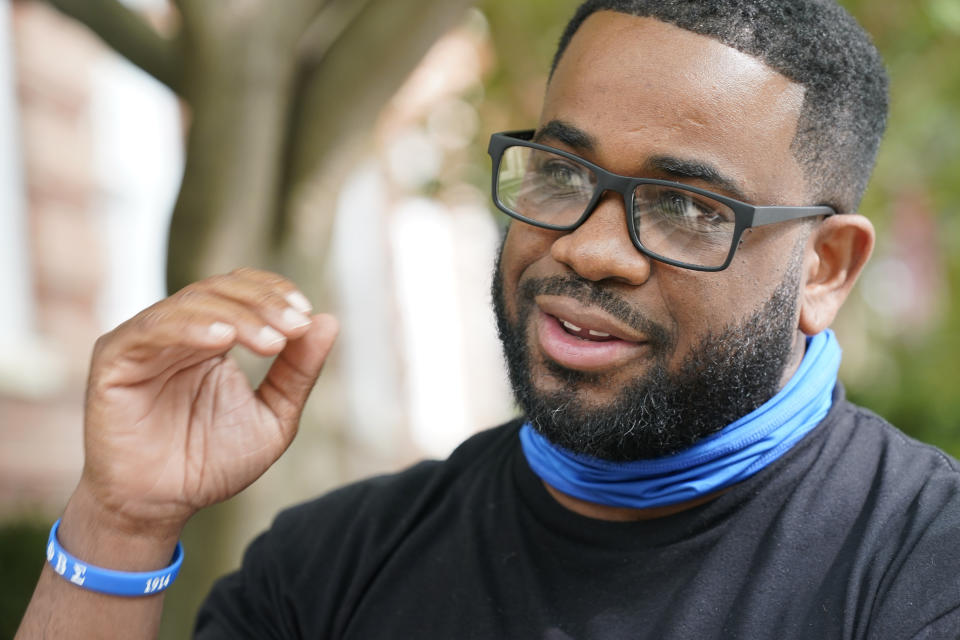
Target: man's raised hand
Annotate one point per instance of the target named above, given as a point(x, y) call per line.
point(172, 424)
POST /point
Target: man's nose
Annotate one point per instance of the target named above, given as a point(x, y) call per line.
point(601, 248)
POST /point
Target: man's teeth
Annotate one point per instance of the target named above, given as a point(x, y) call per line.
point(572, 327)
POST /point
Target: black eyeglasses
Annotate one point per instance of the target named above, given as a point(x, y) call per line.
point(668, 221)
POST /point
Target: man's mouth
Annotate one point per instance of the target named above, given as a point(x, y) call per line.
point(575, 344)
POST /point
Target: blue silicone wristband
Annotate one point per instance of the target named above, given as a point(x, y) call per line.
point(117, 583)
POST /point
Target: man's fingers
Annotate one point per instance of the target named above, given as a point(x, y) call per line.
point(291, 377)
point(210, 317)
point(262, 328)
point(274, 298)
point(136, 351)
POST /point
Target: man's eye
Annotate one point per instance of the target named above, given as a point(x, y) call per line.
point(683, 206)
point(562, 175)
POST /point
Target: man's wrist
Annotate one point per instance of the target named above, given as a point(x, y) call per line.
point(107, 539)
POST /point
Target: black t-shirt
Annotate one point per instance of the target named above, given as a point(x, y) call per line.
point(854, 533)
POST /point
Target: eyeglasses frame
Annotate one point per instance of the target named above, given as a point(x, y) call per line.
point(747, 215)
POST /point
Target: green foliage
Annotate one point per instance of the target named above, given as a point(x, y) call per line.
point(524, 35)
point(22, 544)
point(910, 351)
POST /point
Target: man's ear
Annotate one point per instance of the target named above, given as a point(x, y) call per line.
point(837, 250)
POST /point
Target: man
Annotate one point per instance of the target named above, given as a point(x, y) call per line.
point(687, 466)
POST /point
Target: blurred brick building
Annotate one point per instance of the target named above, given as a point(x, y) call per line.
point(43, 368)
point(84, 218)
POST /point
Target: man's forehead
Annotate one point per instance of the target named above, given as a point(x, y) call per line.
point(643, 84)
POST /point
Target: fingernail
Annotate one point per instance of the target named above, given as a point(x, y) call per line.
point(269, 336)
point(299, 302)
point(220, 330)
point(294, 319)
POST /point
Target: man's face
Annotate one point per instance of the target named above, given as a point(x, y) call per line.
point(686, 351)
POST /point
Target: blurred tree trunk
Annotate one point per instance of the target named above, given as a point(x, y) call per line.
point(281, 97)
point(278, 95)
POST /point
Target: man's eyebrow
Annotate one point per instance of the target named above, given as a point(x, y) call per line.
point(679, 168)
point(675, 168)
point(566, 133)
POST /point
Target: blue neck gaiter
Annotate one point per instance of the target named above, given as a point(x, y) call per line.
point(729, 456)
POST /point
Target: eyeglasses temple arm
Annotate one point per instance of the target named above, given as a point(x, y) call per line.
point(771, 215)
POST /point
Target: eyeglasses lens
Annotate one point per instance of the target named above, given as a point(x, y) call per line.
point(544, 187)
point(549, 189)
point(683, 225)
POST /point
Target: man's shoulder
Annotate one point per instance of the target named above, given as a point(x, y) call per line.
point(859, 472)
point(876, 460)
point(895, 452)
point(906, 522)
point(905, 494)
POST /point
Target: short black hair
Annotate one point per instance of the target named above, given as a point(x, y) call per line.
point(814, 43)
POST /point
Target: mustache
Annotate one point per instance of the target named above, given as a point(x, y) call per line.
point(592, 294)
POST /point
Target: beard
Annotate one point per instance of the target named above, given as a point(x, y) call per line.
point(727, 374)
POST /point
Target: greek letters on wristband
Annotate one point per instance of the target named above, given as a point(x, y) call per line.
point(117, 583)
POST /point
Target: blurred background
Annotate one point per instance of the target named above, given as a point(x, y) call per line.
point(342, 143)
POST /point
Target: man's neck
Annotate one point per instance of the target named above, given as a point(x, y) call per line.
point(626, 514)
